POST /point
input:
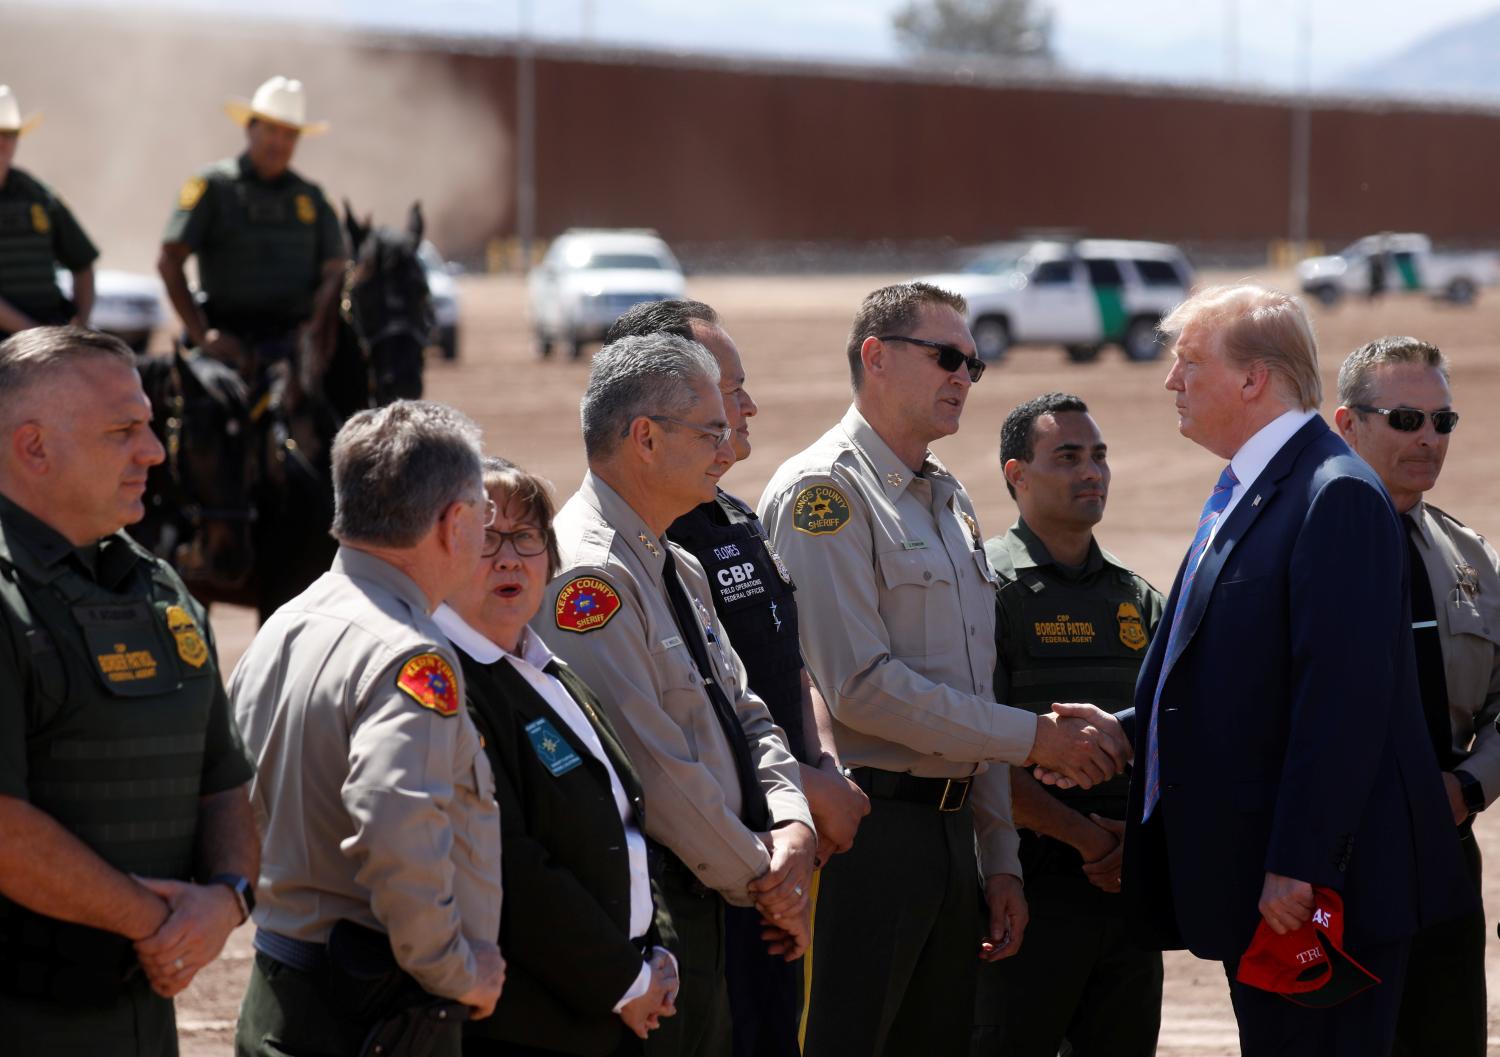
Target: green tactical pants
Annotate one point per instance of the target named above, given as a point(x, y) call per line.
point(700, 1028)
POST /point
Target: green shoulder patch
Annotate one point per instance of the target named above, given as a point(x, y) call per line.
point(820, 510)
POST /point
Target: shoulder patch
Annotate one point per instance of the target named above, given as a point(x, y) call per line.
point(191, 191)
point(585, 603)
point(429, 681)
point(820, 510)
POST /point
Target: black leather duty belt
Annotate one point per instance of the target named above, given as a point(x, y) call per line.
point(946, 794)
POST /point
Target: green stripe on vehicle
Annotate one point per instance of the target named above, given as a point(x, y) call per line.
point(1111, 302)
point(1408, 266)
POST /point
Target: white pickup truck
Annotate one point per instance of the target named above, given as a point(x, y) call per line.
point(1399, 263)
point(1081, 295)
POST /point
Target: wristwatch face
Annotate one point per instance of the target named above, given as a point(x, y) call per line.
point(241, 888)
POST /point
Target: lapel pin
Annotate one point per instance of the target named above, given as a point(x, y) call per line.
point(1255, 501)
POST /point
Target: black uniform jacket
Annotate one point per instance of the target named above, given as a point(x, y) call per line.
point(564, 928)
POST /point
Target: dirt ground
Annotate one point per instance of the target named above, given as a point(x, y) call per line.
point(791, 334)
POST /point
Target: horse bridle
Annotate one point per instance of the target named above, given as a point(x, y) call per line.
point(193, 513)
point(395, 328)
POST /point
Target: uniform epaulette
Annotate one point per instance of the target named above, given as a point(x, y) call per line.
point(1000, 559)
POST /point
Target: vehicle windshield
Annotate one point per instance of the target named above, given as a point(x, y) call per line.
point(624, 260)
point(991, 264)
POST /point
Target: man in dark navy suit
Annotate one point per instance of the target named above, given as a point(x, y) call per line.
point(1278, 731)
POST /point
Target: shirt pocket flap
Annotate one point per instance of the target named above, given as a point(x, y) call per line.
point(1465, 617)
point(919, 568)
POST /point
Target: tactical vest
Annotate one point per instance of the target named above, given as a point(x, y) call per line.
point(118, 688)
point(28, 278)
point(753, 595)
point(259, 265)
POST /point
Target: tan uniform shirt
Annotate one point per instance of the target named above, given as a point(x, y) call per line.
point(374, 798)
point(897, 604)
point(608, 616)
point(1465, 575)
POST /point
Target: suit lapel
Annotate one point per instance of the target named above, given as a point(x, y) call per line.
point(613, 748)
point(1252, 503)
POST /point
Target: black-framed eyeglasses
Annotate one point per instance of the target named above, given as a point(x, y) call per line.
point(1409, 419)
point(949, 357)
point(528, 542)
point(720, 437)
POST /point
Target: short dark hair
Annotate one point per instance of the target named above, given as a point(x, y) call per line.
point(1355, 383)
point(672, 316)
point(1018, 432)
point(891, 310)
point(34, 356)
point(515, 485)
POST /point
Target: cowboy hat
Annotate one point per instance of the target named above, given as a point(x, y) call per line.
point(10, 114)
point(280, 101)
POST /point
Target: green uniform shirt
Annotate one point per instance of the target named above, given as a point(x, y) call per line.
point(261, 244)
point(38, 234)
point(1065, 634)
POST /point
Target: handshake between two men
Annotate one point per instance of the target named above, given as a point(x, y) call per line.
point(1078, 745)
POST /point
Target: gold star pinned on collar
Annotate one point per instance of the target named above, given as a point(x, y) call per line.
point(894, 479)
point(647, 541)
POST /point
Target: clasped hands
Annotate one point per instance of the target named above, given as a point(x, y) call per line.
point(781, 893)
point(643, 1015)
point(1078, 745)
point(199, 918)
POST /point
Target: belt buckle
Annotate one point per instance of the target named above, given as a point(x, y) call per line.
point(955, 792)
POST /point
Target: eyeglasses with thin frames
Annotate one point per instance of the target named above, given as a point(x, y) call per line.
point(949, 357)
point(720, 437)
point(1410, 419)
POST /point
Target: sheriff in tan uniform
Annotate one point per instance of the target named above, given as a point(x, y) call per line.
point(898, 632)
point(619, 633)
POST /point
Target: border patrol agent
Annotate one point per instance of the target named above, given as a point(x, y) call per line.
point(268, 243)
point(1072, 623)
point(1396, 411)
point(38, 234)
point(631, 612)
point(898, 631)
point(121, 776)
point(755, 599)
point(380, 884)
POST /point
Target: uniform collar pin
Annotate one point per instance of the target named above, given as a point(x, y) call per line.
point(894, 479)
point(647, 541)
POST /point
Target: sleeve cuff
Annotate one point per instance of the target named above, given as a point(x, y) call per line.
point(635, 990)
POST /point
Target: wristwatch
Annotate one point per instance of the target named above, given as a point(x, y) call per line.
point(243, 891)
point(1473, 792)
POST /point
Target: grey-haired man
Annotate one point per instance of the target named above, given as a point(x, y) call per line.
point(380, 869)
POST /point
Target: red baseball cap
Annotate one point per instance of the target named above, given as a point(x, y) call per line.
point(1308, 966)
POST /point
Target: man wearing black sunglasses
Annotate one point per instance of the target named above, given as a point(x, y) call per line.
point(1396, 412)
point(898, 631)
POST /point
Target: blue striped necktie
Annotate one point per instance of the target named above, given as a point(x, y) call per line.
point(1217, 501)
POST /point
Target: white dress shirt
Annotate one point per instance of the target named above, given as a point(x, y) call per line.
point(1256, 454)
point(532, 658)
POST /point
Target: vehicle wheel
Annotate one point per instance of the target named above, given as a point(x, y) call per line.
point(448, 342)
point(991, 338)
point(1142, 340)
point(575, 348)
point(1082, 353)
point(1461, 292)
point(544, 346)
point(1327, 294)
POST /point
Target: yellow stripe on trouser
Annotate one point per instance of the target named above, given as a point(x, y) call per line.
point(807, 964)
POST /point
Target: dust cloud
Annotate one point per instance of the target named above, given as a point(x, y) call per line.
point(133, 106)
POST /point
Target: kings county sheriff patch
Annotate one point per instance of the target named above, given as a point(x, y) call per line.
point(820, 510)
point(585, 603)
point(191, 191)
point(190, 645)
point(429, 681)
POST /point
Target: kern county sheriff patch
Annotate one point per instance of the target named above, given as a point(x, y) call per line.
point(585, 603)
point(1132, 628)
point(429, 681)
point(820, 510)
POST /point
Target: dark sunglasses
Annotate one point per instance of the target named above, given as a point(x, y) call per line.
point(1409, 419)
point(949, 357)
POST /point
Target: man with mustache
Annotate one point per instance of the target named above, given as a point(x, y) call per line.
point(632, 613)
point(898, 631)
point(1396, 411)
point(1072, 623)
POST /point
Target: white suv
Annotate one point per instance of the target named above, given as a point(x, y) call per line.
point(1081, 295)
point(589, 278)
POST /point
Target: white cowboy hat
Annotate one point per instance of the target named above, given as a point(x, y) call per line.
point(10, 114)
point(281, 101)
